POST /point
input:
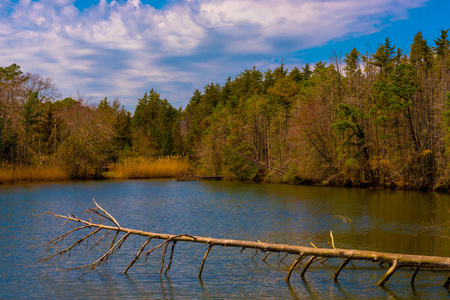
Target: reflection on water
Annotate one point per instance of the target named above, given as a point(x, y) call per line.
point(381, 220)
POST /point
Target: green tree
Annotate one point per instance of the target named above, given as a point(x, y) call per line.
point(350, 124)
point(442, 44)
point(306, 72)
point(353, 72)
point(154, 121)
point(284, 91)
point(192, 119)
point(30, 117)
point(446, 124)
point(236, 146)
point(394, 97)
point(352, 61)
point(31, 112)
point(280, 72)
point(249, 83)
point(442, 50)
point(296, 75)
point(122, 130)
point(11, 91)
point(420, 52)
point(384, 58)
point(50, 129)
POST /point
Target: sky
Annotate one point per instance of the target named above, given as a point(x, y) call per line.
point(122, 49)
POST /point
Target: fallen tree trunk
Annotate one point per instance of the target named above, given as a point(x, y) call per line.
point(396, 261)
point(261, 164)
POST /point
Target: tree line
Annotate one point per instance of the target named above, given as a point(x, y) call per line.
point(361, 119)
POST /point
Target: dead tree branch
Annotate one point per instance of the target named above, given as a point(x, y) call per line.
point(203, 261)
point(396, 261)
point(261, 164)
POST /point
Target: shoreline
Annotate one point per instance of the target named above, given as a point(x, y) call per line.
point(224, 178)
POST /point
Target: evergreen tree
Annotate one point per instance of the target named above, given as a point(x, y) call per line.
point(296, 75)
point(384, 57)
point(352, 61)
point(306, 72)
point(420, 52)
point(154, 120)
point(442, 44)
point(31, 112)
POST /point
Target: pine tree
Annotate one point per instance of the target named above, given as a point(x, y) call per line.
point(384, 57)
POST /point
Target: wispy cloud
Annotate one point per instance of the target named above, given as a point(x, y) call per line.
point(124, 49)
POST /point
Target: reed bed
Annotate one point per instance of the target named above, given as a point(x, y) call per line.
point(140, 168)
point(21, 173)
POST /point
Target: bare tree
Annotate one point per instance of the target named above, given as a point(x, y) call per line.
point(44, 86)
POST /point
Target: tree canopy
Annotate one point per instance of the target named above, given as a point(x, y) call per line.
point(378, 119)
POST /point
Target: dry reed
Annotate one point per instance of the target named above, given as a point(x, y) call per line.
point(11, 173)
point(139, 167)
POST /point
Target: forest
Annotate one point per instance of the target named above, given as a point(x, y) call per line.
point(377, 119)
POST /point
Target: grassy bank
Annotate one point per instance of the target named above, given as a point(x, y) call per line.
point(137, 168)
point(129, 168)
point(11, 174)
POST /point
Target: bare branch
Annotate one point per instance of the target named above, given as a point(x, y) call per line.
point(203, 261)
point(60, 238)
point(395, 266)
point(98, 242)
point(61, 253)
point(163, 257)
point(414, 275)
point(138, 255)
point(346, 261)
point(294, 264)
point(264, 259)
point(171, 256)
point(310, 261)
point(109, 216)
point(103, 258)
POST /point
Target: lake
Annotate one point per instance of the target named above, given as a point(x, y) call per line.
point(378, 220)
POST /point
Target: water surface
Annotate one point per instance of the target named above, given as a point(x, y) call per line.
point(381, 220)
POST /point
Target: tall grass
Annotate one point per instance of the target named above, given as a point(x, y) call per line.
point(139, 167)
point(11, 174)
point(129, 168)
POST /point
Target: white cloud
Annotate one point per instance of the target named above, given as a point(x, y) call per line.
point(124, 49)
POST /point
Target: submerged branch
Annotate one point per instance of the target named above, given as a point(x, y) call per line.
point(203, 261)
point(138, 255)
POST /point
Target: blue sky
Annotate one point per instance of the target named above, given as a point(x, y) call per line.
point(125, 48)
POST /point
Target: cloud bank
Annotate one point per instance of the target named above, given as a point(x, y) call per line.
point(123, 49)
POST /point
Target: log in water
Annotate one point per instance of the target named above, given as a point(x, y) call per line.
point(396, 261)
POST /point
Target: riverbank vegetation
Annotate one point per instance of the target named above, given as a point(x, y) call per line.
point(360, 119)
point(139, 167)
point(30, 173)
